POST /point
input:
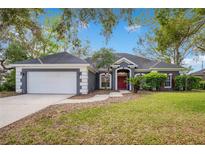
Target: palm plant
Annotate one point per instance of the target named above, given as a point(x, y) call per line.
point(135, 81)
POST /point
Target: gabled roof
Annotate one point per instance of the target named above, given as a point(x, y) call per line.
point(141, 62)
point(67, 58)
point(201, 72)
point(144, 63)
point(58, 58)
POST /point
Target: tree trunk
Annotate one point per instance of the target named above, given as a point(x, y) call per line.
point(177, 57)
point(4, 68)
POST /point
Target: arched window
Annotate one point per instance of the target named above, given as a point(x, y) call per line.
point(103, 83)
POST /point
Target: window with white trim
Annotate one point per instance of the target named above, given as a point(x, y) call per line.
point(168, 82)
point(103, 81)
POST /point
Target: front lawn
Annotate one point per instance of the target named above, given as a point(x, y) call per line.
point(158, 118)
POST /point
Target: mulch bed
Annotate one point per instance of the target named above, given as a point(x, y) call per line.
point(6, 94)
point(56, 110)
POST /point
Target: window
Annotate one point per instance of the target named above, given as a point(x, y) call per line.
point(103, 81)
point(168, 82)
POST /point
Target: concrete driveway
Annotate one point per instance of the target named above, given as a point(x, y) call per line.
point(17, 107)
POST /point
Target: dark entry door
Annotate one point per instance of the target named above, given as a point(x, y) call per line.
point(122, 85)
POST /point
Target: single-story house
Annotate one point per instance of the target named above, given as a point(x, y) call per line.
point(200, 73)
point(63, 73)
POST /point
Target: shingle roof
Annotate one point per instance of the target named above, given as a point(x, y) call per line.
point(143, 63)
point(201, 72)
point(165, 65)
point(67, 58)
point(58, 58)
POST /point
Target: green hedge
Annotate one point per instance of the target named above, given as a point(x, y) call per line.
point(202, 85)
point(153, 80)
point(187, 82)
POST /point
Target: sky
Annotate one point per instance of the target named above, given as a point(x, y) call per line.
point(124, 38)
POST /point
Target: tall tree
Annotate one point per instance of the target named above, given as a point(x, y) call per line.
point(71, 19)
point(104, 58)
point(14, 52)
point(175, 33)
point(79, 49)
point(15, 24)
point(48, 44)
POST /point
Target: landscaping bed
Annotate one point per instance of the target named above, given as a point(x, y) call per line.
point(6, 94)
point(153, 118)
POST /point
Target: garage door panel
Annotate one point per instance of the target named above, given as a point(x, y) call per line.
point(52, 82)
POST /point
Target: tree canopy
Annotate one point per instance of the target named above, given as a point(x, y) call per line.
point(104, 58)
point(176, 34)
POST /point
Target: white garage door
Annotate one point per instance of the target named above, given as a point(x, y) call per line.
point(52, 82)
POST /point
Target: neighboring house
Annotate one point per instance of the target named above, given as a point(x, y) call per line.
point(63, 73)
point(200, 73)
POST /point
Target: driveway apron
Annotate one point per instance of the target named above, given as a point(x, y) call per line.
point(17, 107)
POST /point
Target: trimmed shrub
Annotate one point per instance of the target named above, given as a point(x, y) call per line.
point(202, 85)
point(153, 80)
point(186, 82)
point(193, 82)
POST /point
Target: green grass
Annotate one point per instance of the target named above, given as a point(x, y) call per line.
point(160, 118)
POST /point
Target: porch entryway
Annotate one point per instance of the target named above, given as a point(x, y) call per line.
point(121, 77)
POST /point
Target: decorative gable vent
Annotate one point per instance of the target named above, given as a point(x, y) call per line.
point(126, 61)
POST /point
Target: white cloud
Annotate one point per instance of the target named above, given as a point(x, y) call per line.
point(132, 28)
point(195, 62)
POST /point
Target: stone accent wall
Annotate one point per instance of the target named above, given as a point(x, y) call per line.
point(83, 81)
point(18, 79)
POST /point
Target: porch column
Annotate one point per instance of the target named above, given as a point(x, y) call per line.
point(132, 75)
point(113, 78)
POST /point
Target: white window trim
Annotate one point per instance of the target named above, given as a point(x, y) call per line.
point(100, 83)
point(170, 74)
point(130, 75)
point(139, 74)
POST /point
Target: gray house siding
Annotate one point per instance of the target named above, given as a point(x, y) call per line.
point(97, 85)
point(91, 81)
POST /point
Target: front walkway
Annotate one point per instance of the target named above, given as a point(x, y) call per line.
point(96, 98)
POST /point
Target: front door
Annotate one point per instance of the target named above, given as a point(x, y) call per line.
point(122, 85)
